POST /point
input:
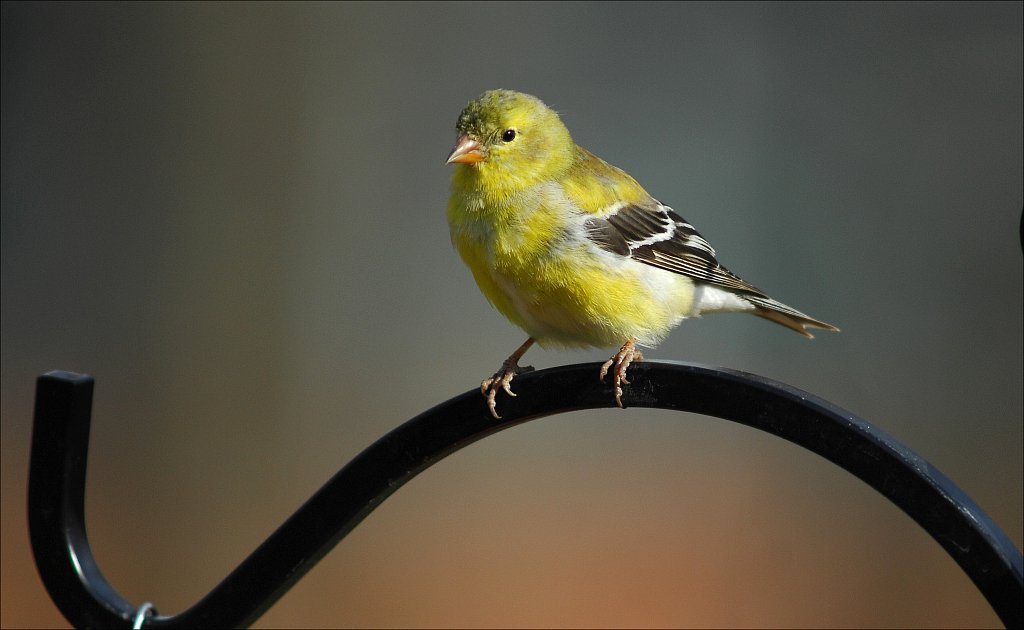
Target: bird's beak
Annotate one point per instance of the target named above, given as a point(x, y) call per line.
point(466, 151)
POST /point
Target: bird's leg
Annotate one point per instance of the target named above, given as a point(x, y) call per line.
point(503, 377)
point(622, 360)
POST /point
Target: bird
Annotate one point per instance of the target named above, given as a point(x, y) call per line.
point(573, 250)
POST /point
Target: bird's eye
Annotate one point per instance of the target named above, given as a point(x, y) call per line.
point(509, 135)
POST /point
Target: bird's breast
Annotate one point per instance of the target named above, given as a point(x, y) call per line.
point(539, 269)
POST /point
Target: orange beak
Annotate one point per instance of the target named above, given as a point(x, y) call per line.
point(467, 150)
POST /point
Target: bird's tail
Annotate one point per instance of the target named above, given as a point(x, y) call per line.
point(786, 315)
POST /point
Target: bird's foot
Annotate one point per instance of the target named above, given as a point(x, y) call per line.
point(501, 380)
point(618, 364)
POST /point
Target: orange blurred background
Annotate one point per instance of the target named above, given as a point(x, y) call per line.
point(232, 215)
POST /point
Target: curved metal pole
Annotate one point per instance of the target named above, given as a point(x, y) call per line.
point(69, 571)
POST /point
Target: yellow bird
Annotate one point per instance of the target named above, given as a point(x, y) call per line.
point(572, 249)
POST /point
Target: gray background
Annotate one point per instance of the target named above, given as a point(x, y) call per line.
point(232, 215)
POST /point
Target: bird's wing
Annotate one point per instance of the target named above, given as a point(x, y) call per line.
point(652, 233)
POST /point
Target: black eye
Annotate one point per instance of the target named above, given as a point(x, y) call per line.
point(509, 135)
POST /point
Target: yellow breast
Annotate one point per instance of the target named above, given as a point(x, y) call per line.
point(533, 262)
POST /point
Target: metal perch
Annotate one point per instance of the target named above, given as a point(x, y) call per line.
point(66, 564)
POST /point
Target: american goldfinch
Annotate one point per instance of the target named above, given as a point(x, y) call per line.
point(572, 249)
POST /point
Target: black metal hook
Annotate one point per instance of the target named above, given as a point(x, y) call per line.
point(60, 442)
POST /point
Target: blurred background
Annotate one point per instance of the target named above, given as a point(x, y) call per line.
point(232, 215)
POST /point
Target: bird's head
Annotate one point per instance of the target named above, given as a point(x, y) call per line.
point(509, 140)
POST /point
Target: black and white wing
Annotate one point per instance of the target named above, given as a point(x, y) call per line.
point(655, 235)
point(659, 237)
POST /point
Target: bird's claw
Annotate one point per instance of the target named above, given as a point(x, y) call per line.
point(502, 380)
point(622, 360)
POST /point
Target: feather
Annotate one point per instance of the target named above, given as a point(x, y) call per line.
point(655, 235)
